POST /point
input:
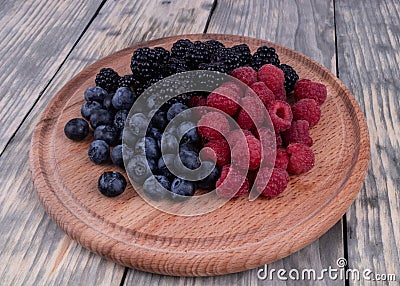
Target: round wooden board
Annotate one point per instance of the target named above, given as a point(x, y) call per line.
point(238, 236)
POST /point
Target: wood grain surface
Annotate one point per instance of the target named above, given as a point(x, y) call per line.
point(368, 49)
point(43, 253)
point(214, 243)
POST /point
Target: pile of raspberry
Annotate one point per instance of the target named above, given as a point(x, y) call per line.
point(292, 116)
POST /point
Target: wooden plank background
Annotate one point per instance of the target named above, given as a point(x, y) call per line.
point(43, 44)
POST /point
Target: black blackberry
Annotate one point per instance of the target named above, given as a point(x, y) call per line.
point(227, 57)
point(128, 81)
point(181, 49)
point(107, 79)
point(176, 65)
point(291, 77)
point(264, 55)
point(244, 53)
point(214, 45)
point(215, 66)
point(149, 63)
point(197, 55)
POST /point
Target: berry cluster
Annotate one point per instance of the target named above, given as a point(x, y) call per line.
point(158, 152)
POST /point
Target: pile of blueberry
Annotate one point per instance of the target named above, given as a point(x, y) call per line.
point(107, 106)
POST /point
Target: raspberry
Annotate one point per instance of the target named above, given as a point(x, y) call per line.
point(213, 125)
point(307, 109)
point(234, 86)
point(246, 75)
point(255, 114)
point(281, 115)
point(218, 152)
point(251, 177)
point(266, 137)
point(301, 158)
point(263, 92)
point(237, 136)
point(239, 152)
point(227, 187)
point(298, 133)
point(271, 184)
point(273, 77)
point(306, 88)
point(282, 159)
point(278, 140)
point(281, 94)
point(194, 101)
point(224, 99)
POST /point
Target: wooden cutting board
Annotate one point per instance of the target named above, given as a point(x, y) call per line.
point(238, 236)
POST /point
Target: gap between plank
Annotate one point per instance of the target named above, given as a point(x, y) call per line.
point(55, 74)
point(213, 7)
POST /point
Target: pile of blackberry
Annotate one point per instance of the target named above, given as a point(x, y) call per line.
point(107, 106)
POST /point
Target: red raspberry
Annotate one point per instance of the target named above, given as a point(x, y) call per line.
point(281, 94)
point(307, 109)
point(301, 158)
point(298, 133)
point(281, 115)
point(266, 137)
point(282, 159)
point(273, 77)
point(263, 92)
point(237, 136)
point(271, 185)
point(217, 151)
point(234, 86)
point(240, 150)
point(246, 75)
point(226, 186)
point(278, 140)
point(224, 99)
point(213, 125)
point(194, 100)
point(256, 115)
point(306, 88)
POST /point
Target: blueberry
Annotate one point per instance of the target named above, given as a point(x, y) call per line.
point(163, 162)
point(88, 108)
point(189, 159)
point(154, 133)
point(120, 118)
point(107, 102)
point(169, 143)
point(181, 187)
point(208, 183)
point(116, 156)
point(188, 146)
point(138, 168)
point(129, 138)
point(100, 117)
point(107, 133)
point(159, 120)
point(95, 93)
point(111, 184)
point(187, 132)
point(123, 98)
point(138, 124)
point(76, 129)
point(99, 151)
point(175, 109)
point(152, 165)
point(155, 187)
point(147, 146)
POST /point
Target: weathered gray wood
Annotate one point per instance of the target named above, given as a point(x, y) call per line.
point(368, 50)
point(35, 37)
point(307, 26)
point(34, 250)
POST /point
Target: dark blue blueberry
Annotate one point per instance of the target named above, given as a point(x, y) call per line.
point(100, 117)
point(169, 143)
point(95, 93)
point(138, 124)
point(111, 184)
point(187, 132)
point(116, 156)
point(163, 162)
point(129, 138)
point(88, 108)
point(189, 159)
point(159, 120)
point(123, 98)
point(153, 165)
point(107, 133)
point(76, 129)
point(138, 169)
point(156, 187)
point(175, 109)
point(120, 119)
point(208, 183)
point(107, 102)
point(147, 146)
point(188, 146)
point(181, 187)
point(154, 133)
point(99, 151)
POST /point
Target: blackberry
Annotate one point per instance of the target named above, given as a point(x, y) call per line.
point(264, 55)
point(197, 55)
point(176, 65)
point(128, 81)
point(181, 49)
point(214, 45)
point(107, 79)
point(227, 57)
point(216, 66)
point(291, 77)
point(148, 63)
point(243, 51)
